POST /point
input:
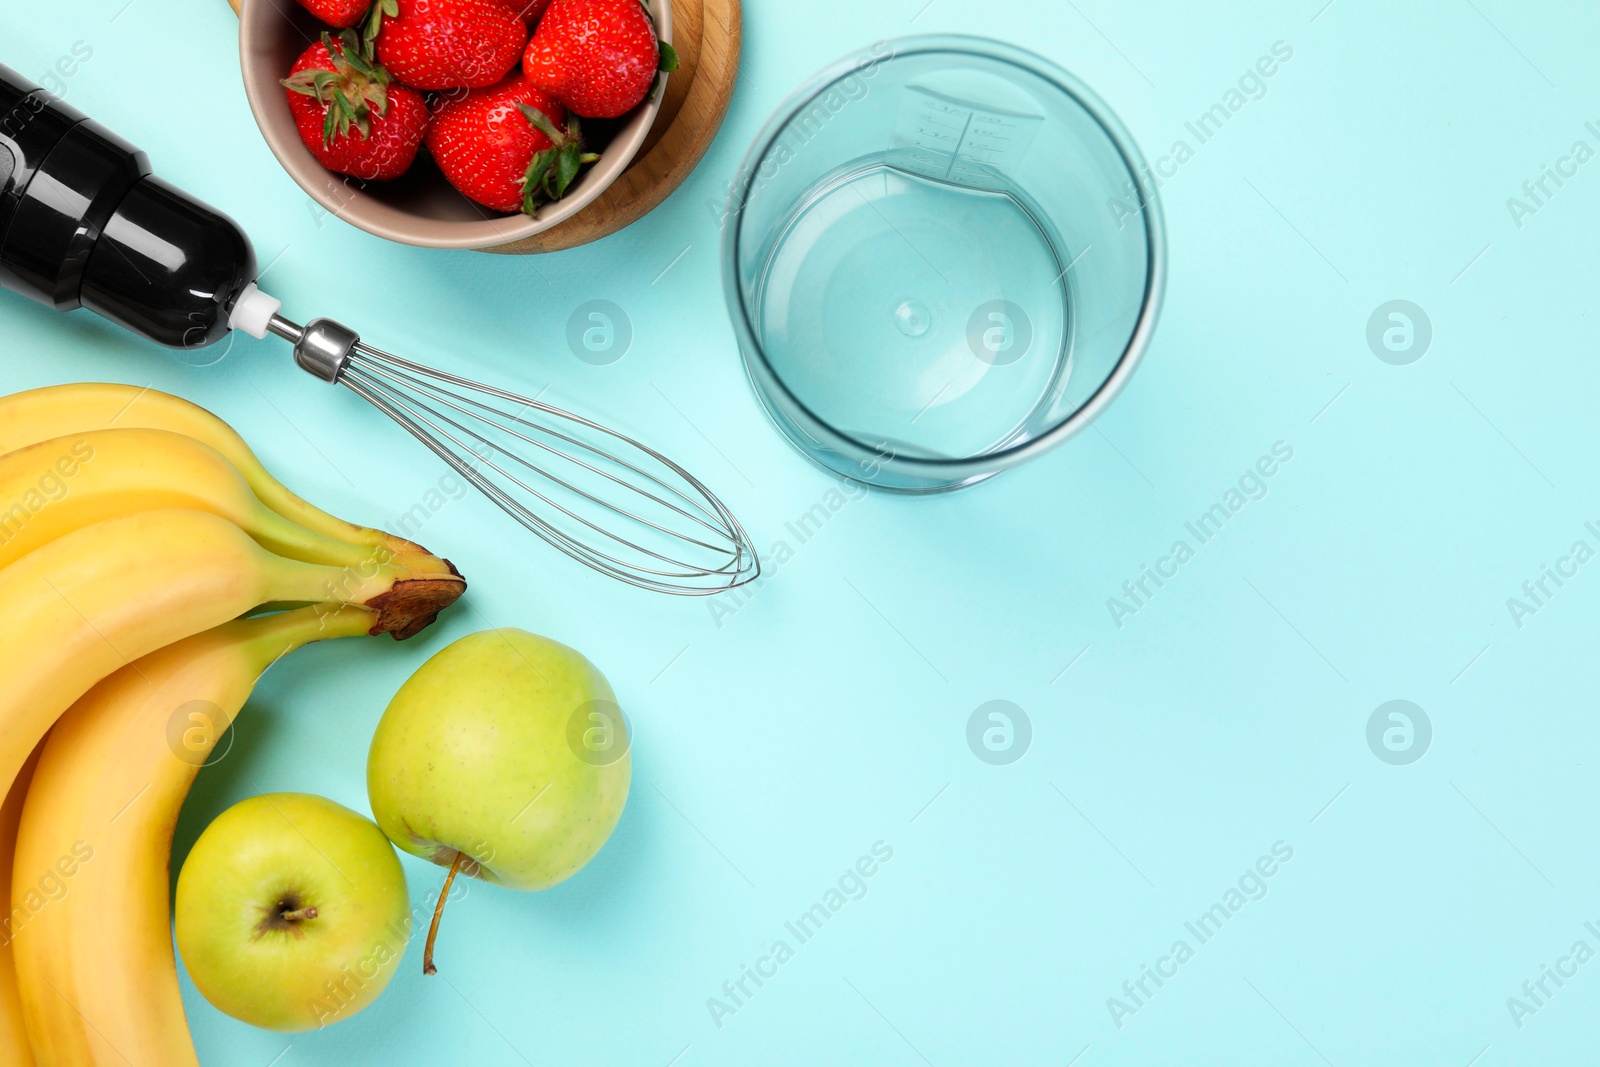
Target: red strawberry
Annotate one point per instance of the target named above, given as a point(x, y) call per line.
point(598, 57)
point(450, 44)
point(347, 111)
point(529, 11)
point(502, 147)
point(337, 13)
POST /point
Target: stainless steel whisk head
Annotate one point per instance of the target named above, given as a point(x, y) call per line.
point(599, 496)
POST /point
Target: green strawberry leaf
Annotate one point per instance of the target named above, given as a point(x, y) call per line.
point(542, 161)
point(541, 122)
point(669, 58)
point(351, 92)
point(374, 25)
point(307, 83)
point(532, 180)
point(552, 171)
point(568, 163)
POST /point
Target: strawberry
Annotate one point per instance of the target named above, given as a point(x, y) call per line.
point(449, 44)
point(502, 146)
point(337, 13)
point(598, 57)
point(347, 111)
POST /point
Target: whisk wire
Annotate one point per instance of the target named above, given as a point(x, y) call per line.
point(494, 446)
point(457, 418)
point(570, 546)
point(687, 570)
point(465, 404)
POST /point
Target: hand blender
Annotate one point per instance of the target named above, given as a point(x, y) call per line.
point(84, 223)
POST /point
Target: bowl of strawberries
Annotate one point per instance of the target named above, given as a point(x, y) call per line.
point(455, 123)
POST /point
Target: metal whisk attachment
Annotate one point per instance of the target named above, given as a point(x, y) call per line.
point(601, 497)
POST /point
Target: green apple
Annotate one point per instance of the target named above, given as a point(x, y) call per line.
point(505, 757)
point(291, 912)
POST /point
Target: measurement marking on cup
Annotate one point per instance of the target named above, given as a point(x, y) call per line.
point(955, 142)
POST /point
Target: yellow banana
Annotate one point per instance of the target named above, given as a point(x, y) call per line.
point(99, 981)
point(14, 1049)
point(56, 411)
point(57, 486)
point(87, 604)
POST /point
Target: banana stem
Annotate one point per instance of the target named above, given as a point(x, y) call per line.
point(404, 605)
point(438, 913)
point(288, 538)
point(277, 635)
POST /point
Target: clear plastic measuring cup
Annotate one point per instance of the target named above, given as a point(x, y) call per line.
point(942, 257)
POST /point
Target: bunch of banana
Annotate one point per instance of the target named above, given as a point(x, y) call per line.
point(137, 532)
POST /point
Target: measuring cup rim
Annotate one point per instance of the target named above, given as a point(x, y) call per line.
point(765, 378)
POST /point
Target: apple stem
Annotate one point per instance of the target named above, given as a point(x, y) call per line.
point(438, 913)
point(298, 914)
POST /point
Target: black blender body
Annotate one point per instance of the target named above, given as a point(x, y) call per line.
point(83, 223)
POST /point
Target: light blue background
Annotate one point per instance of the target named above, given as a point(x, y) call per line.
point(830, 711)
